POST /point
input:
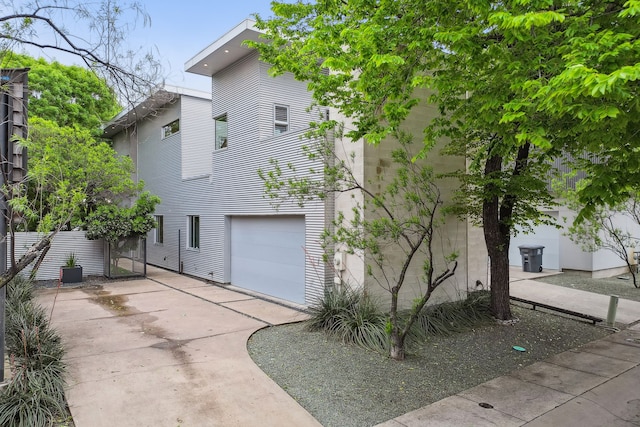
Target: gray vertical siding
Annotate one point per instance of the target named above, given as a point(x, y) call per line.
point(197, 137)
point(239, 191)
point(283, 90)
point(193, 179)
point(247, 94)
point(160, 167)
point(235, 91)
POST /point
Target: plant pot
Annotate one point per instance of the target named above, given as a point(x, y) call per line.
point(71, 274)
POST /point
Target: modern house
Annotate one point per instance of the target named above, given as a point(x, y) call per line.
point(201, 152)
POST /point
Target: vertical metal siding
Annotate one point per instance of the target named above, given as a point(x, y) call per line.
point(159, 166)
point(236, 93)
point(283, 90)
point(197, 135)
point(88, 252)
point(229, 186)
point(238, 190)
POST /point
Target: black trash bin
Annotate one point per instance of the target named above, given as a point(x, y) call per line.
point(531, 258)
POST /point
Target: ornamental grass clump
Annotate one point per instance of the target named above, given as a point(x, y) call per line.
point(34, 395)
point(353, 317)
point(453, 317)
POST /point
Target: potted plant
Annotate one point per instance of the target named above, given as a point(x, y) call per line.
point(71, 272)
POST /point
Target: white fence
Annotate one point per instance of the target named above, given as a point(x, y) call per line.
point(89, 253)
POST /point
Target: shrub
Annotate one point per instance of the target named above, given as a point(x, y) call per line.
point(452, 317)
point(326, 313)
point(352, 316)
point(35, 394)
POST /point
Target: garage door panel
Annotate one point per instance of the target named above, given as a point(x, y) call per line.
point(267, 255)
point(264, 252)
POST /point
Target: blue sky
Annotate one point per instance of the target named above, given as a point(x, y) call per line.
point(178, 31)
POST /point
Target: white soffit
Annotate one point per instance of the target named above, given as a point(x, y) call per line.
point(226, 50)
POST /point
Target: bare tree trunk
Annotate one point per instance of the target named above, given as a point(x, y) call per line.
point(397, 345)
point(26, 259)
point(497, 242)
point(500, 303)
point(36, 266)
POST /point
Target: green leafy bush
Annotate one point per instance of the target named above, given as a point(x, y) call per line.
point(112, 222)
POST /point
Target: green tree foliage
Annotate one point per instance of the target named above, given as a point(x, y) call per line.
point(518, 84)
point(598, 95)
point(398, 219)
point(70, 174)
point(70, 96)
point(113, 223)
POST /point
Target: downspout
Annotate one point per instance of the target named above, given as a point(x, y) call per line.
point(180, 266)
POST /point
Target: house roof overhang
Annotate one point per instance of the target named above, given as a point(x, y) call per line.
point(225, 51)
point(149, 106)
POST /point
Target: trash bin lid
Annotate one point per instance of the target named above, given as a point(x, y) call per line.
point(530, 247)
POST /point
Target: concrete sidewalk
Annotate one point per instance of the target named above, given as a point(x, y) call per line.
point(168, 351)
point(573, 299)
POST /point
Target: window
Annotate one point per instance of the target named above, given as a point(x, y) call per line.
point(158, 236)
point(221, 132)
point(280, 119)
point(171, 128)
point(193, 235)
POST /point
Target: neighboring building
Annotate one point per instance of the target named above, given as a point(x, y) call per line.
point(201, 152)
point(560, 253)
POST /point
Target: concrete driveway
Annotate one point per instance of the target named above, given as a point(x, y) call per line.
point(168, 351)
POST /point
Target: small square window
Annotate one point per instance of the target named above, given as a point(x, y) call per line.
point(158, 235)
point(221, 132)
point(193, 232)
point(171, 128)
point(280, 119)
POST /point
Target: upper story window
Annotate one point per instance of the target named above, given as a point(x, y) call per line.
point(280, 119)
point(221, 131)
point(171, 128)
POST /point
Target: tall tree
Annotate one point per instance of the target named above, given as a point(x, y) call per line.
point(70, 96)
point(487, 65)
point(598, 91)
point(70, 176)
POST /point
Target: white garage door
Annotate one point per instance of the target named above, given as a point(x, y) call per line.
point(267, 255)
